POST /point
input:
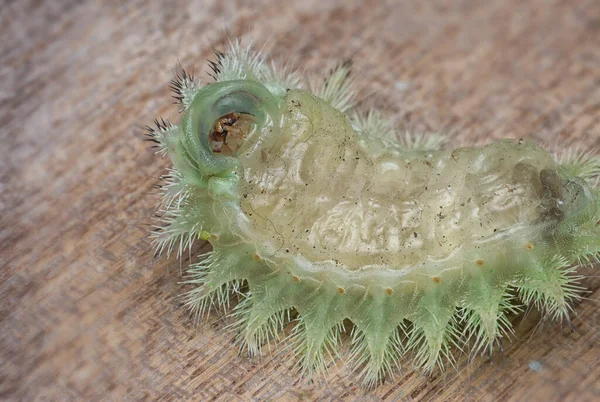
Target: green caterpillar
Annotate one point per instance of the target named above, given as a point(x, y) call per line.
point(319, 214)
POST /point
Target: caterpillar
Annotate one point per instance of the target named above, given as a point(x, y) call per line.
point(322, 215)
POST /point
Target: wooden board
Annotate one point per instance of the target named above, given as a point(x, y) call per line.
point(88, 314)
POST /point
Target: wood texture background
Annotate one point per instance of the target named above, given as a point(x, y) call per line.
point(87, 314)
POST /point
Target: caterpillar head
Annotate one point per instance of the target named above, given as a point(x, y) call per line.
point(238, 140)
point(223, 120)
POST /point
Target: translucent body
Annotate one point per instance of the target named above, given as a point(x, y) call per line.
point(329, 198)
point(319, 213)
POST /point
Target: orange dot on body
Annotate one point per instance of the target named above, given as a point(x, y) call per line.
point(437, 279)
point(295, 278)
point(341, 290)
point(479, 262)
point(389, 291)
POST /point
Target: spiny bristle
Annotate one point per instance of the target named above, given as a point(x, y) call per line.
point(285, 77)
point(552, 288)
point(176, 228)
point(376, 355)
point(239, 62)
point(315, 347)
point(373, 125)
point(317, 336)
point(175, 192)
point(175, 235)
point(201, 300)
point(337, 87)
point(422, 142)
point(485, 317)
point(588, 257)
point(579, 162)
point(434, 331)
point(210, 290)
point(178, 223)
point(183, 86)
point(157, 134)
point(260, 318)
point(216, 65)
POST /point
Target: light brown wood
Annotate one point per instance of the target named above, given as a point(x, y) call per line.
point(87, 314)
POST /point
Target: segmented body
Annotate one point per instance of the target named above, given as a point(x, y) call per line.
point(331, 216)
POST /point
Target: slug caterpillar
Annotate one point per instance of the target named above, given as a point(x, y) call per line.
point(320, 214)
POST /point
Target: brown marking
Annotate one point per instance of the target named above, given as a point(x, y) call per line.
point(341, 290)
point(480, 263)
point(529, 246)
point(223, 127)
point(389, 291)
point(437, 279)
point(257, 257)
point(295, 278)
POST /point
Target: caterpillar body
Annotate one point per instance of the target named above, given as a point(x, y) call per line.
point(319, 213)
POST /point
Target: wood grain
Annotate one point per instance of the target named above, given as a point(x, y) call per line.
point(88, 314)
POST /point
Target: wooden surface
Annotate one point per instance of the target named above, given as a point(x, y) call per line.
point(87, 314)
